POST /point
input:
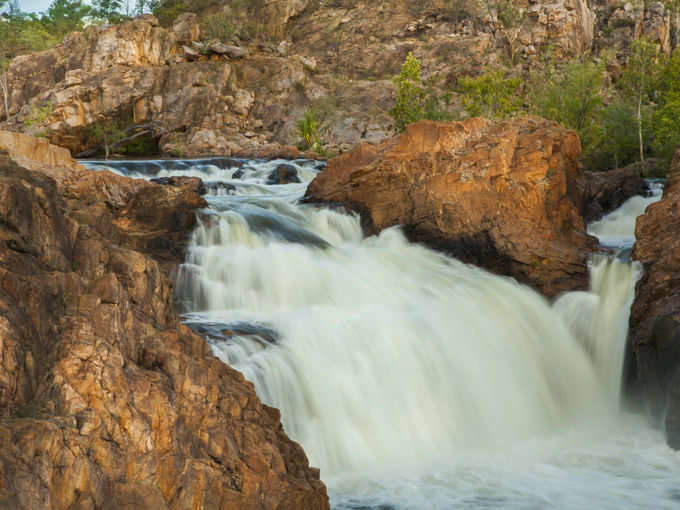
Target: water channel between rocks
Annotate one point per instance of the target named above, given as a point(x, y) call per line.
point(412, 380)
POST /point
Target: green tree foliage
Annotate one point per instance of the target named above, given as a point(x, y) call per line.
point(491, 95)
point(109, 134)
point(64, 16)
point(22, 33)
point(415, 100)
point(617, 143)
point(308, 130)
point(217, 27)
point(573, 98)
point(638, 82)
point(411, 95)
point(107, 10)
point(667, 114)
point(39, 114)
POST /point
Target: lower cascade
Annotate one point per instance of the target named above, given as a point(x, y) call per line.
point(414, 381)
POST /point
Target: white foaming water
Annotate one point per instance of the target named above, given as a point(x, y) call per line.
point(412, 380)
point(617, 229)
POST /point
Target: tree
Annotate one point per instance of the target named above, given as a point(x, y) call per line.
point(411, 95)
point(4, 84)
point(638, 82)
point(109, 134)
point(65, 16)
point(491, 95)
point(573, 98)
point(108, 10)
point(667, 115)
point(617, 143)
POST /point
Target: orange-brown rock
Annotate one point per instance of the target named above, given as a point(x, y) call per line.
point(655, 316)
point(502, 195)
point(106, 400)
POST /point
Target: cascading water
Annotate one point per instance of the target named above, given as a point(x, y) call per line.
point(412, 380)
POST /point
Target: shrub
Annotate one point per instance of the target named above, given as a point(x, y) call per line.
point(308, 130)
point(38, 115)
point(410, 102)
point(491, 95)
point(217, 27)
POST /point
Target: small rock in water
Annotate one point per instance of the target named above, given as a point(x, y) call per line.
point(221, 186)
point(190, 183)
point(258, 332)
point(283, 174)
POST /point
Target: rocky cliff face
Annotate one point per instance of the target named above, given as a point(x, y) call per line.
point(197, 96)
point(106, 400)
point(655, 316)
point(502, 195)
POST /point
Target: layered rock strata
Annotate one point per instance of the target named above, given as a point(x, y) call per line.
point(502, 195)
point(106, 400)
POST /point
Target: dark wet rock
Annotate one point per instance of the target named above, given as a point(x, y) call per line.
point(221, 163)
point(220, 187)
point(655, 315)
point(224, 331)
point(605, 191)
point(283, 174)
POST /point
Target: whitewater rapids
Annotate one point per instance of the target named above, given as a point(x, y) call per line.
point(412, 380)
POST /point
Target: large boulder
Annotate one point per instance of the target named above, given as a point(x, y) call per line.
point(502, 195)
point(655, 316)
point(106, 399)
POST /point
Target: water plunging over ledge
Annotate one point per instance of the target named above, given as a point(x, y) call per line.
point(412, 380)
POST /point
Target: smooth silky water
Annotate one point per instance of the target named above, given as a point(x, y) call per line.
point(412, 380)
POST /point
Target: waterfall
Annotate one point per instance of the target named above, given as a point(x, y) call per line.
point(391, 362)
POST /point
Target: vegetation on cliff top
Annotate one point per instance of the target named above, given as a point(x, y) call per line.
point(634, 118)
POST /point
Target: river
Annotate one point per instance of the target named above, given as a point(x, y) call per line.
point(412, 380)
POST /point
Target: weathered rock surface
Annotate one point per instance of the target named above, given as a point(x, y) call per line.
point(655, 315)
point(569, 25)
point(502, 195)
point(106, 400)
point(606, 191)
point(244, 95)
point(134, 74)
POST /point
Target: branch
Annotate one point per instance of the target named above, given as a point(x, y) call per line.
point(146, 129)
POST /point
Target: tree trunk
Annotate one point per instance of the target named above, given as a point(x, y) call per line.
point(5, 93)
point(639, 123)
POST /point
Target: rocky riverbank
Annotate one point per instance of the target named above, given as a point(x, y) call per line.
point(655, 316)
point(106, 400)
